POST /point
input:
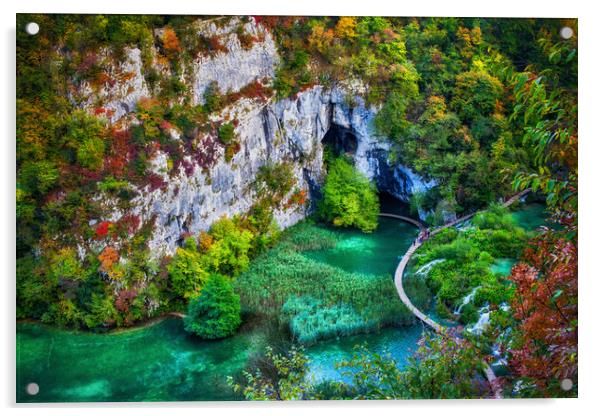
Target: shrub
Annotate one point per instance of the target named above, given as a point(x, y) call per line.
point(215, 313)
point(90, 153)
point(349, 198)
point(214, 100)
point(225, 133)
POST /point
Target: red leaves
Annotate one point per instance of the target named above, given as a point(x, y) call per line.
point(215, 44)
point(128, 224)
point(545, 305)
point(102, 229)
point(253, 90)
point(165, 125)
point(121, 150)
point(156, 182)
point(124, 300)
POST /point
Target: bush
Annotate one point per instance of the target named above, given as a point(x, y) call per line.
point(216, 312)
point(475, 94)
point(214, 100)
point(349, 198)
point(225, 133)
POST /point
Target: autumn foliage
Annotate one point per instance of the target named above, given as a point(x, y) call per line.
point(545, 305)
point(108, 257)
point(171, 44)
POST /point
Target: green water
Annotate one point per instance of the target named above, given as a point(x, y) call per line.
point(503, 266)
point(531, 216)
point(398, 343)
point(156, 363)
point(374, 253)
point(162, 362)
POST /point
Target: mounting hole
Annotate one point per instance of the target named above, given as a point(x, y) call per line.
point(566, 384)
point(32, 389)
point(32, 28)
point(566, 32)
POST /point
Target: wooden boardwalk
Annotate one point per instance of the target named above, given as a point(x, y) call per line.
point(491, 378)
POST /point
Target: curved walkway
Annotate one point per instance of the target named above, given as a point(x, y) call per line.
point(491, 378)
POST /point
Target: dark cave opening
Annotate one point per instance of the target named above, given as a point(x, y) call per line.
point(340, 140)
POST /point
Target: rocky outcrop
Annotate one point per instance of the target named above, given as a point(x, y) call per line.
point(289, 130)
point(237, 67)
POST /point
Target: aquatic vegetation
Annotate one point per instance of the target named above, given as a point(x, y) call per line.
point(310, 296)
point(310, 320)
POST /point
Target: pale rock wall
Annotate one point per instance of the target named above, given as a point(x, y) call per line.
point(288, 130)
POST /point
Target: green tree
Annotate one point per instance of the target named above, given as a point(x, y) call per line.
point(215, 313)
point(349, 198)
point(475, 94)
point(229, 251)
point(225, 133)
point(102, 311)
point(85, 136)
point(186, 272)
point(65, 265)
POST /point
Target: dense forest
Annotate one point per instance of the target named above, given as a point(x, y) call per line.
point(482, 107)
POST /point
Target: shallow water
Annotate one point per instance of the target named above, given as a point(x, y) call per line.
point(531, 216)
point(398, 343)
point(503, 266)
point(155, 363)
point(373, 253)
point(162, 362)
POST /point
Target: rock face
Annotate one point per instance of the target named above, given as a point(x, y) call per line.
point(239, 66)
point(289, 130)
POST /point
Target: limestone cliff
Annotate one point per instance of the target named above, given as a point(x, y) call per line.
point(290, 130)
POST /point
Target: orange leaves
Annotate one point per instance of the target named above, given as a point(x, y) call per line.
point(205, 241)
point(171, 44)
point(320, 38)
point(298, 198)
point(108, 257)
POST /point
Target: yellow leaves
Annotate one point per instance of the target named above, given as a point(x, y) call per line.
point(320, 38)
point(345, 28)
point(470, 39)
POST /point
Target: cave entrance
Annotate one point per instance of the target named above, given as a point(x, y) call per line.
point(340, 140)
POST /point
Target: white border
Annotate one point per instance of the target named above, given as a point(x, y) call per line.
point(590, 111)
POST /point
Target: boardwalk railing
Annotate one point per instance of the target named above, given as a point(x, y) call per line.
point(491, 378)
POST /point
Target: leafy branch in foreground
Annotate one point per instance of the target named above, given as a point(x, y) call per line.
point(442, 368)
point(282, 377)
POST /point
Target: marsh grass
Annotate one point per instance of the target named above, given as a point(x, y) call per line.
point(316, 300)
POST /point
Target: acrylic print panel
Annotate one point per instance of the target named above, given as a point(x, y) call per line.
point(260, 207)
